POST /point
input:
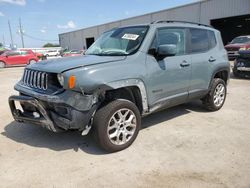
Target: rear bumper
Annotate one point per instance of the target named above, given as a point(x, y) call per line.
point(247, 69)
point(242, 71)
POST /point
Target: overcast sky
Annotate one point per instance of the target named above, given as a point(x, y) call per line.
point(43, 20)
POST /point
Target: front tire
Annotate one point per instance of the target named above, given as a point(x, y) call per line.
point(116, 125)
point(216, 97)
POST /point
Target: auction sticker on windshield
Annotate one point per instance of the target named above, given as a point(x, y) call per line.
point(130, 36)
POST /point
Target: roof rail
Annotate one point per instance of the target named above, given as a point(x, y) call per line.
point(177, 21)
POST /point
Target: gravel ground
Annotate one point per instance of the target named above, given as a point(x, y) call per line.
point(184, 146)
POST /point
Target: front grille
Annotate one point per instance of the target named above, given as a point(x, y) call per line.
point(35, 79)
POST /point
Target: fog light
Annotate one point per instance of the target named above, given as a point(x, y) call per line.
point(36, 115)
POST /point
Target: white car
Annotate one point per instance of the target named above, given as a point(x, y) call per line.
point(52, 53)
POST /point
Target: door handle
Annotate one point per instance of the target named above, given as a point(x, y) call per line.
point(185, 64)
point(212, 59)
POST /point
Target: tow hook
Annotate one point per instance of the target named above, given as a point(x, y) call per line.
point(86, 130)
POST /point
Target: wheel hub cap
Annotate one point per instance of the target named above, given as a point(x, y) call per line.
point(122, 126)
point(219, 95)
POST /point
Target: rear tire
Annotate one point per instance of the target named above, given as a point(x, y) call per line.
point(116, 125)
point(2, 65)
point(216, 97)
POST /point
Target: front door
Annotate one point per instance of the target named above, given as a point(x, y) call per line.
point(14, 58)
point(168, 79)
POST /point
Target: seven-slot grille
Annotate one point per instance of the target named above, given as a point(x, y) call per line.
point(35, 79)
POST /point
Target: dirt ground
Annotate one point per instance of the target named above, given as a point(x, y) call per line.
point(184, 146)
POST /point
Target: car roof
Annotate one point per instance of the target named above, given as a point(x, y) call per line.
point(174, 23)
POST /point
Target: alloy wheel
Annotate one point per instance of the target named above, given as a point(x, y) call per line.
point(219, 95)
point(121, 126)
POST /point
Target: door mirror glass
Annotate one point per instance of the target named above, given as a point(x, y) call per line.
point(166, 50)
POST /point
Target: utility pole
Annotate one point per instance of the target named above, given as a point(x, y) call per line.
point(3, 40)
point(12, 45)
point(21, 31)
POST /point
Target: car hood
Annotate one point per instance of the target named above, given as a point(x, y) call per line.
point(67, 63)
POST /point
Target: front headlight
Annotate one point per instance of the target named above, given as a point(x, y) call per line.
point(60, 79)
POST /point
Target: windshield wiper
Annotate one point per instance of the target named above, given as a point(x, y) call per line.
point(114, 53)
point(98, 54)
point(110, 53)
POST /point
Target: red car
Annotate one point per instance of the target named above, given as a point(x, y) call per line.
point(239, 43)
point(14, 58)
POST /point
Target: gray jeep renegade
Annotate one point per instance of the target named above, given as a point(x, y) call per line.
point(129, 72)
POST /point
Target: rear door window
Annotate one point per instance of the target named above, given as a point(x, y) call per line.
point(14, 53)
point(199, 40)
point(212, 39)
point(24, 52)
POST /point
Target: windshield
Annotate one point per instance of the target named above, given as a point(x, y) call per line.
point(121, 41)
point(241, 40)
point(5, 53)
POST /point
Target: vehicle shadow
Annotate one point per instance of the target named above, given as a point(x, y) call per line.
point(171, 113)
point(37, 136)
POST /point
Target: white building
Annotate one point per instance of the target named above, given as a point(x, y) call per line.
point(231, 17)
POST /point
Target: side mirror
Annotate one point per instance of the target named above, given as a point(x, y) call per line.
point(6, 56)
point(166, 50)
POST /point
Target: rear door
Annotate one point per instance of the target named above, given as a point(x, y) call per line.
point(203, 53)
point(25, 57)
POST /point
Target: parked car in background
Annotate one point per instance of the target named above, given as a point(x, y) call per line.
point(127, 73)
point(73, 53)
point(14, 58)
point(238, 43)
point(51, 53)
point(242, 64)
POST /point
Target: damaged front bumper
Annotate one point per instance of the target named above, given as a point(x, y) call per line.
point(56, 112)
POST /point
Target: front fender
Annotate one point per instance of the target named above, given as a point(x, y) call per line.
point(129, 83)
